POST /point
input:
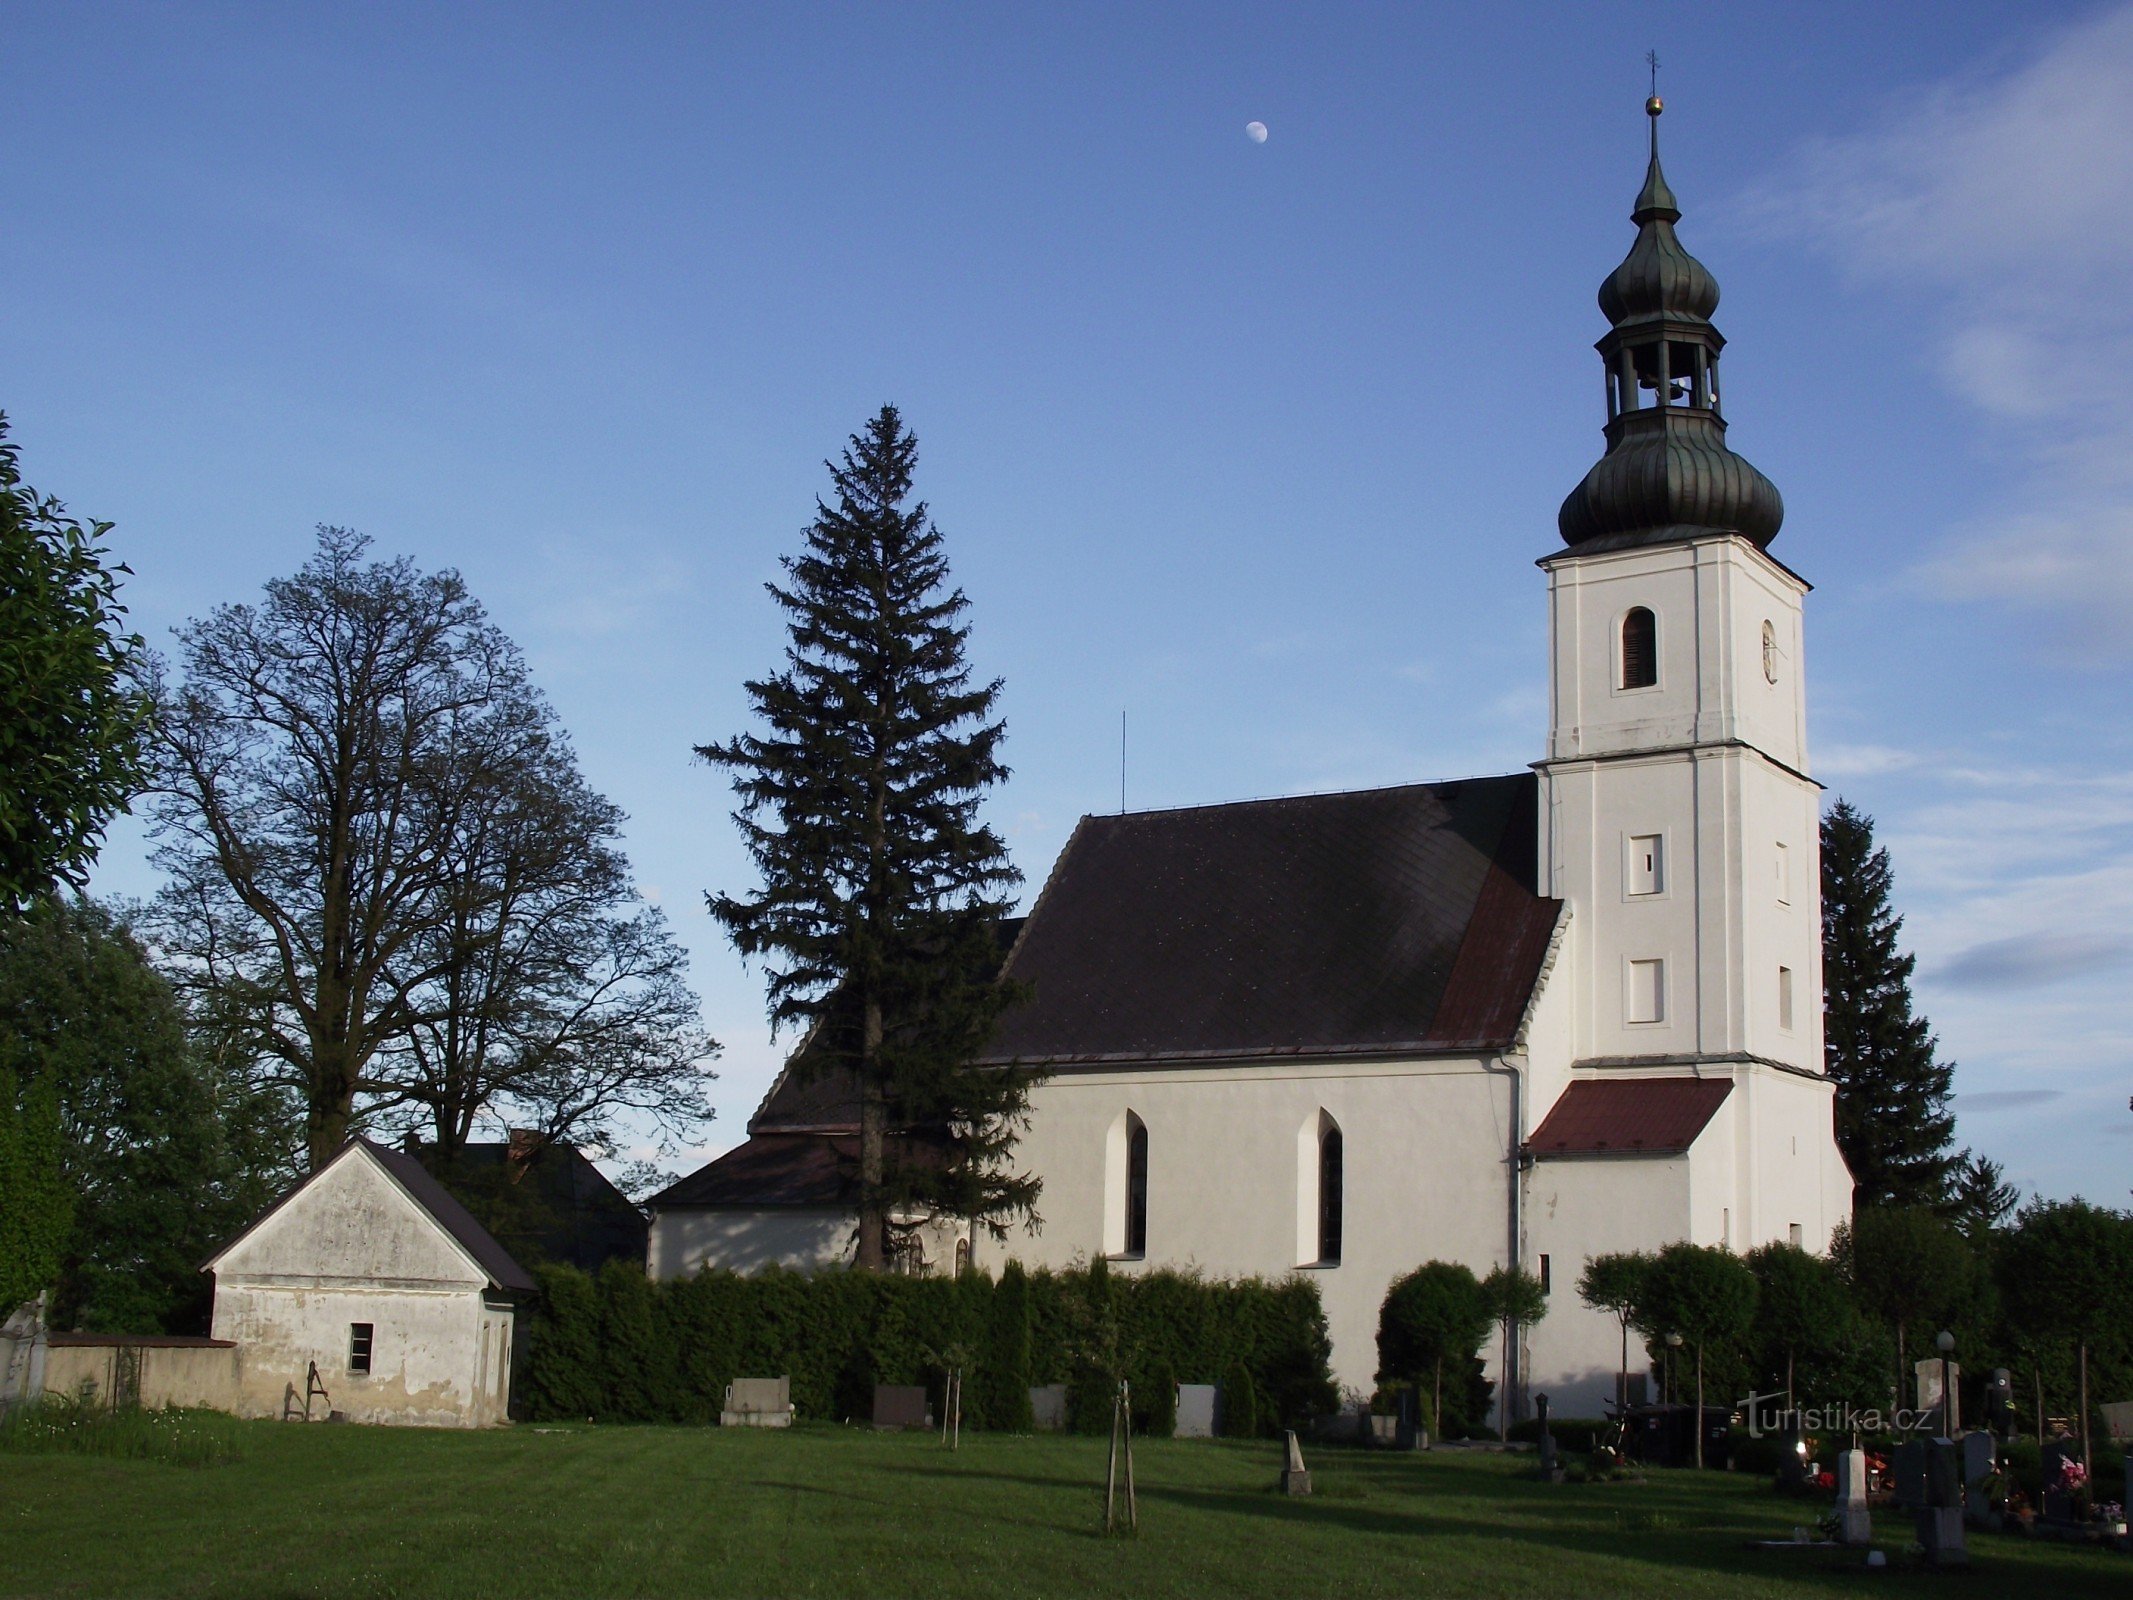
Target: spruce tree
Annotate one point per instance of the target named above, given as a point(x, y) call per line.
point(1893, 1121)
point(882, 894)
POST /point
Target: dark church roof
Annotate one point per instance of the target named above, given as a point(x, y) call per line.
point(567, 1211)
point(771, 1169)
point(1381, 921)
point(1628, 1117)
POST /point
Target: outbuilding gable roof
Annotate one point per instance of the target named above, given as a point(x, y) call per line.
point(427, 1193)
point(1628, 1117)
point(1377, 921)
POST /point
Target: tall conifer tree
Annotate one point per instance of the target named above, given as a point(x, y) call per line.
point(1893, 1121)
point(882, 894)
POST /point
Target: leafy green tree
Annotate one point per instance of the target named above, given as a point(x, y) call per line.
point(169, 1146)
point(1893, 1121)
point(2068, 1275)
point(1707, 1295)
point(1434, 1315)
point(1515, 1299)
point(71, 714)
point(36, 1209)
point(1802, 1306)
point(1004, 1377)
point(1912, 1270)
point(1613, 1283)
point(881, 893)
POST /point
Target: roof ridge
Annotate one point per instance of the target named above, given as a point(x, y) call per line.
point(1282, 799)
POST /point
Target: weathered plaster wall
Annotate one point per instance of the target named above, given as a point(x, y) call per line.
point(187, 1375)
point(1424, 1147)
point(439, 1357)
point(685, 1241)
point(351, 1247)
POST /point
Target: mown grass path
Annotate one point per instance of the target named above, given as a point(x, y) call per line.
point(329, 1511)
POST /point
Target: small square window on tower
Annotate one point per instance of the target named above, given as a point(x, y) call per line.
point(358, 1347)
point(1647, 863)
point(1647, 991)
point(1785, 998)
point(1799, 1236)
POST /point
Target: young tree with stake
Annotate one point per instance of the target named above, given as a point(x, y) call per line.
point(882, 893)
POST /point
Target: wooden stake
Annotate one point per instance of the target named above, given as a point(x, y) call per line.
point(1125, 1421)
point(1111, 1471)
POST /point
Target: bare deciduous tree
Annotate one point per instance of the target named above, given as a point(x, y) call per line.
point(387, 873)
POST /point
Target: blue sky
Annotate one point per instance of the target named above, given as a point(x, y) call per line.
point(1255, 442)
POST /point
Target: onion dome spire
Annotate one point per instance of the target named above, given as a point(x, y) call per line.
point(1667, 474)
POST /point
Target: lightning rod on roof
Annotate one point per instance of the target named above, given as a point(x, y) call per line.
point(1121, 760)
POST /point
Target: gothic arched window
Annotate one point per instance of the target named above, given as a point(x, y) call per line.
point(1329, 1195)
point(1640, 649)
point(1136, 1187)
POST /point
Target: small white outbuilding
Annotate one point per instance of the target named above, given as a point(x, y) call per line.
point(372, 1274)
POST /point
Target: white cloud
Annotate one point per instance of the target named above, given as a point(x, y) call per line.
point(2004, 201)
point(1861, 760)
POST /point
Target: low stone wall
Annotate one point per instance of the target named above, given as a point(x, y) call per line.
point(155, 1371)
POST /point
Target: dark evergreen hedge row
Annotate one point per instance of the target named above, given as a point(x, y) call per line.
point(620, 1348)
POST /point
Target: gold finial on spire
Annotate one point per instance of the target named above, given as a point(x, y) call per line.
point(1654, 105)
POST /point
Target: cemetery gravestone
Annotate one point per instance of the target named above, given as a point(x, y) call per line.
point(2058, 1504)
point(757, 1403)
point(1928, 1373)
point(1196, 1411)
point(901, 1405)
point(1551, 1469)
point(2118, 1421)
point(1294, 1479)
point(1048, 1407)
point(1979, 1462)
point(1855, 1524)
point(1940, 1522)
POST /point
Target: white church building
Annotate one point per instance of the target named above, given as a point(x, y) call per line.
point(1532, 1018)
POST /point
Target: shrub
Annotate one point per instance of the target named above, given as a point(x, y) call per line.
point(623, 1348)
point(1240, 1404)
point(1004, 1381)
point(1156, 1402)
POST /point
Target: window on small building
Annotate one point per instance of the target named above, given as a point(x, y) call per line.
point(1329, 1196)
point(359, 1346)
point(1785, 998)
point(1640, 649)
point(1647, 991)
point(1546, 1283)
point(1647, 863)
point(1137, 1189)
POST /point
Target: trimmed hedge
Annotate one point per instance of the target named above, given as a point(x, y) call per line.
point(620, 1348)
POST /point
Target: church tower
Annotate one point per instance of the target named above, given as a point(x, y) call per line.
point(1678, 817)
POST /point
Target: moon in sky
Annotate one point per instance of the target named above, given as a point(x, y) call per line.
point(1256, 132)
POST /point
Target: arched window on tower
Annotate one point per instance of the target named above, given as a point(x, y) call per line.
point(1640, 649)
point(1329, 1194)
point(1136, 1187)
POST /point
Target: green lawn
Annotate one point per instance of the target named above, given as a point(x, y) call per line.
point(826, 1511)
